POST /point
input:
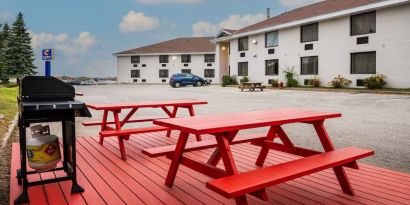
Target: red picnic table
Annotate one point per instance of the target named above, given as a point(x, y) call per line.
point(169, 107)
point(225, 127)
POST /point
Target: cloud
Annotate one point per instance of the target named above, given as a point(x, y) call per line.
point(135, 22)
point(61, 42)
point(6, 17)
point(205, 28)
point(169, 1)
point(297, 3)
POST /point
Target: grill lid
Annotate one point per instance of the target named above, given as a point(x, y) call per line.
point(41, 88)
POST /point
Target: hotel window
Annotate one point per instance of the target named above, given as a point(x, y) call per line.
point(309, 65)
point(271, 39)
point(272, 67)
point(243, 44)
point(185, 58)
point(243, 69)
point(187, 71)
point(209, 73)
point(309, 32)
point(135, 73)
point(135, 59)
point(363, 23)
point(209, 58)
point(363, 63)
point(163, 59)
point(163, 73)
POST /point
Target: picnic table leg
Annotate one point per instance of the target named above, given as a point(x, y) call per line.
point(120, 138)
point(264, 149)
point(173, 168)
point(103, 125)
point(171, 115)
point(216, 155)
point(192, 113)
point(328, 146)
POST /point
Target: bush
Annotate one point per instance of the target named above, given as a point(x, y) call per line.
point(315, 82)
point(229, 80)
point(375, 81)
point(274, 83)
point(340, 82)
point(290, 77)
point(244, 80)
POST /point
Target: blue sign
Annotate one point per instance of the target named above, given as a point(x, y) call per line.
point(48, 54)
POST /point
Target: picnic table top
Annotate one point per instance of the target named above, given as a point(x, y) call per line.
point(244, 120)
point(248, 83)
point(128, 105)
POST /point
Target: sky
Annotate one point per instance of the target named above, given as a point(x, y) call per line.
point(86, 33)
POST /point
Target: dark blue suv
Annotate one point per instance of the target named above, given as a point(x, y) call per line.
point(183, 79)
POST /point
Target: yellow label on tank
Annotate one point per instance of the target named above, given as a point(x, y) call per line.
point(43, 153)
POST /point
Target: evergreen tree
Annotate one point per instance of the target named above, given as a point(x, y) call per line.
point(19, 54)
point(4, 35)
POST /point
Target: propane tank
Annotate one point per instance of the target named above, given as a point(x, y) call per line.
point(43, 151)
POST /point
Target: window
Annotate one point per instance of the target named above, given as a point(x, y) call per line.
point(163, 73)
point(135, 59)
point(163, 59)
point(243, 69)
point(209, 58)
point(185, 58)
point(243, 44)
point(144, 65)
point(135, 73)
point(309, 33)
point(209, 73)
point(271, 39)
point(363, 63)
point(186, 71)
point(309, 65)
point(272, 67)
point(363, 23)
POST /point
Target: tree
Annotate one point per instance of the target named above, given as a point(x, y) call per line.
point(19, 54)
point(4, 35)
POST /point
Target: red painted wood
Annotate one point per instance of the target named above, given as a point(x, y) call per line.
point(15, 189)
point(53, 191)
point(130, 131)
point(272, 133)
point(237, 185)
point(245, 120)
point(173, 168)
point(216, 155)
point(193, 146)
point(141, 119)
point(152, 104)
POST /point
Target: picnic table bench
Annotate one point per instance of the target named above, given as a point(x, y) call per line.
point(251, 86)
point(107, 130)
point(225, 127)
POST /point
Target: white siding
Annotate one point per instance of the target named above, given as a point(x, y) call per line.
point(391, 43)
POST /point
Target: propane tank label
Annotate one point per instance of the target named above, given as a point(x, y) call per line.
point(43, 153)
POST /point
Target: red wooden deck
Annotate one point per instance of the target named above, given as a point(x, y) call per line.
point(140, 180)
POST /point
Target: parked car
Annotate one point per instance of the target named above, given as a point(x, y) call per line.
point(183, 79)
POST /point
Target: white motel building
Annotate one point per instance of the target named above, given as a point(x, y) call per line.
point(352, 38)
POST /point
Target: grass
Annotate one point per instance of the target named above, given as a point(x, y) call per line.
point(8, 108)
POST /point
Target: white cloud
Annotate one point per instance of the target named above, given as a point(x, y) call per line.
point(204, 28)
point(169, 1)
point(6, 17)
point(138, 22)
point(61, 42)
point(297, 3)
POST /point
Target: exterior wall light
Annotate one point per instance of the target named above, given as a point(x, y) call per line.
point(174, 57)
point(254, 41)
point(223, 48)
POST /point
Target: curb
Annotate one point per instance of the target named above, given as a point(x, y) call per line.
point(7, 136)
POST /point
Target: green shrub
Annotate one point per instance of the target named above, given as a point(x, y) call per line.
point(376, 81)
point(274, 83)
point(244, 80)
point(290, 77)
point(315, 82)
point(229, 80)
point(340, 82)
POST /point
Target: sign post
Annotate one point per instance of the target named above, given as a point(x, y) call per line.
point(48, 56)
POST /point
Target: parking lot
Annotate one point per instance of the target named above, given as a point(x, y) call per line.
point(376, 121)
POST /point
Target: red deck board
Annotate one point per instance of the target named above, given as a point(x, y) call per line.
point(108, 106)
point(142, 178)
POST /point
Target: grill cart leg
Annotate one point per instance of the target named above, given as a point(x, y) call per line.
point(75, 187)
point(22, 173)
point(65, 146)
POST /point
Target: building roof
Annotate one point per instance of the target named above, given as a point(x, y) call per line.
point(312, 10)
point(178, 45)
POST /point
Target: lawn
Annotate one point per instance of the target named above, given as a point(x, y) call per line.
point(8, 109)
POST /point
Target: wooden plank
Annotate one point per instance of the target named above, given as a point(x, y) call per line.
point(66, 191)
point(141, 119)
point(53, 191)
point(15, 189)
point(123, 132)
point(152, 104)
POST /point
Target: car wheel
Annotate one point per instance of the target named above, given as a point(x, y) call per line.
point(199, 83)
point(177, 84)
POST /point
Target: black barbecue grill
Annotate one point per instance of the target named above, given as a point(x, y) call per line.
point(48, 99)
